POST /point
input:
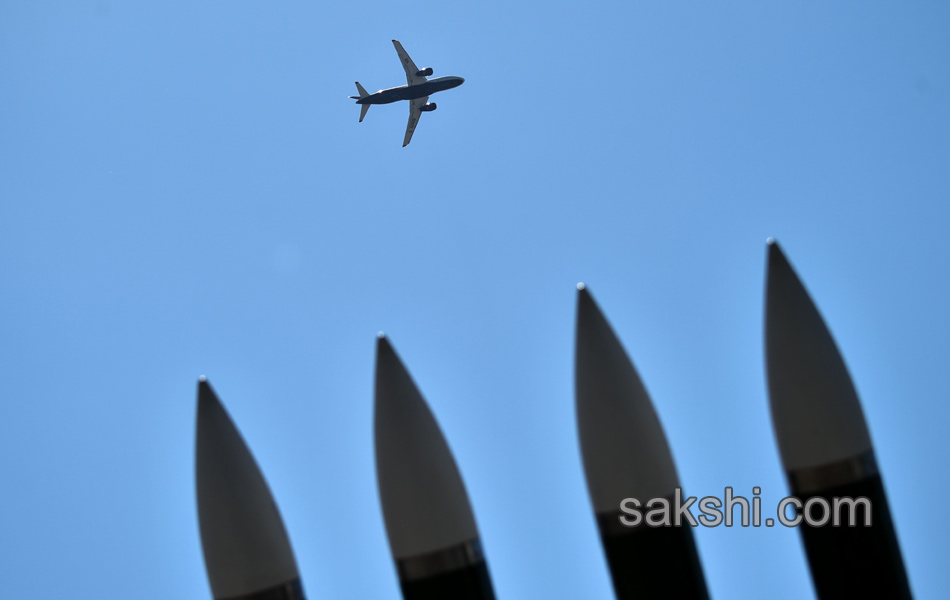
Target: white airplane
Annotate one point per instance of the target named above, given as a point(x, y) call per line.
point(417, 91)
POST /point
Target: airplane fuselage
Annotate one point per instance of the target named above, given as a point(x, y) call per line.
point(411, 92)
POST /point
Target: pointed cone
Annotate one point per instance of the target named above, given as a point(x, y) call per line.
point(626, 455)
point(815, 410)
point(425, 505)
point(624, 450)
point(245, 544)
point(825, 446)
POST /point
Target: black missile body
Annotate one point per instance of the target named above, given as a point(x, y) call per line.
point(429, 521)
point(626, 455)
point(825, 445)
point(246, 549)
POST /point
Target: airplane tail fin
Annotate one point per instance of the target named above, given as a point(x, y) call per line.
point(364, 108)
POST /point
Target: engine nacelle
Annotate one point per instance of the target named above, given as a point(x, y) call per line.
point(425, 72)
point(429, 107)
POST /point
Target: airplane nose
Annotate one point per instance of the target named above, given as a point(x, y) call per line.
point(461, 80)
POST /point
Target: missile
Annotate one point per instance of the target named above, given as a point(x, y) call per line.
point(246, 549)
point(825, 446)
point(429, 521)
point(626, 455)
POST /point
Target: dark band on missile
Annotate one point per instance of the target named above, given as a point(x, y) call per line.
point(815, 479)
point(458, 572)
point(453, 558)
point(470, 583)
point(652, 562)
point(609, 523)
point(292, 590)
point(856, 562)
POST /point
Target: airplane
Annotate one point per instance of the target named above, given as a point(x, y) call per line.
point(417, 91)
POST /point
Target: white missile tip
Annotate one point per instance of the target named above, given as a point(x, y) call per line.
point(770, 241)
point(581, 287)
point(202, 379)
point(380, 335)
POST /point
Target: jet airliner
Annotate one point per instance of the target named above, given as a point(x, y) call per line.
point(417, 91)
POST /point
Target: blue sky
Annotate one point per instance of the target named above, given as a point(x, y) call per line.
point(185, 190)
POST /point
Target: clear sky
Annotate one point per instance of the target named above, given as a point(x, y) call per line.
point(185, 190)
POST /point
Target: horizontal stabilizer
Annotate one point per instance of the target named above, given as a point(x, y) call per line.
point(360, 89)
point(364, 108)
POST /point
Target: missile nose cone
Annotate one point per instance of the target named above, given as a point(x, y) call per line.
point(206, 395)
point(824, 442)
point(815, 409)
point(245, 545)
point(623, 447)
point(586, 307)
point(210, 411)
point(425, 505)
point(394, 385)
point(384, 347)
point(776, 258)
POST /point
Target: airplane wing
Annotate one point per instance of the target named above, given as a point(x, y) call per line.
point(408, 65)
point(415, 112)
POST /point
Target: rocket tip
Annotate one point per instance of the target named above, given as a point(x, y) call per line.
point(205, 391)
point(585, 302)
point(583, 294)
point(383, 344)
point(773, 248)
point(776, 257)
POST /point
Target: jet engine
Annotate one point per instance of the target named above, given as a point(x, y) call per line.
point(424, 72)
point(429, 107)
